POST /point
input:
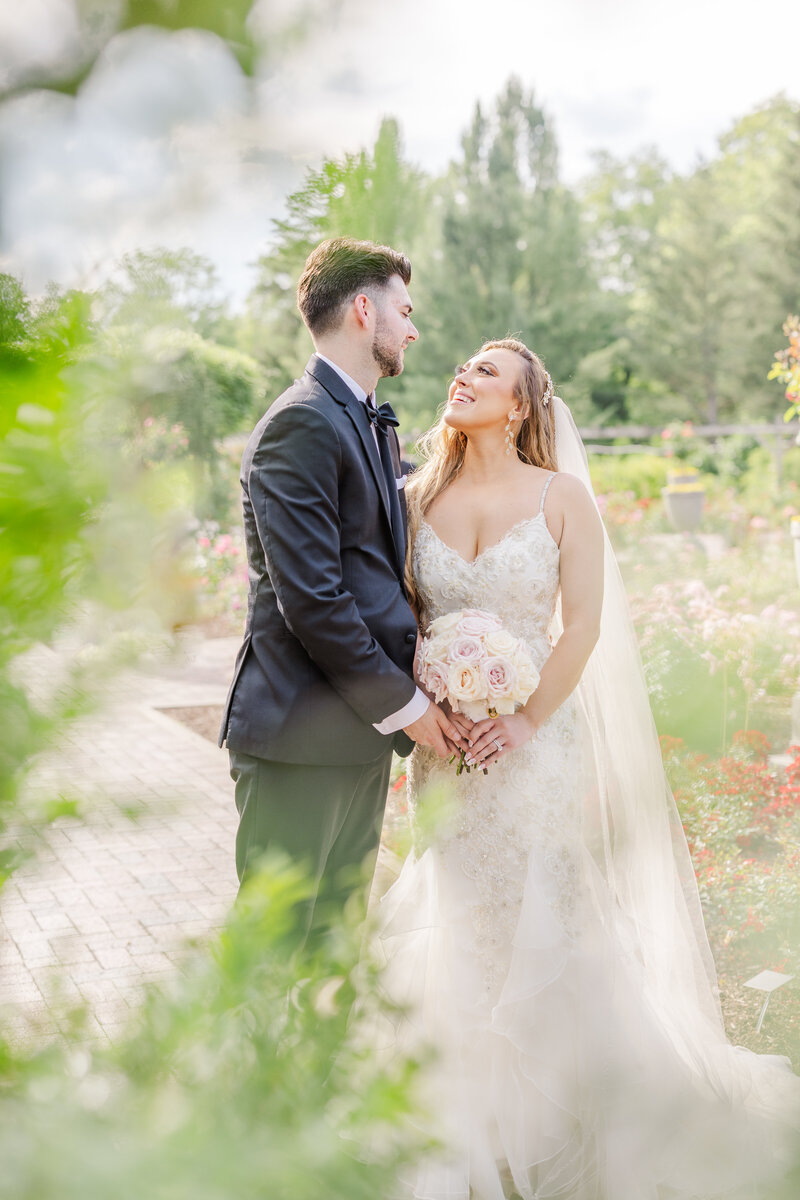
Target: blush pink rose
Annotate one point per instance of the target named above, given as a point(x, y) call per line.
point(466, 649)
point(475, 623)
point(434, 678)
point(500, 676)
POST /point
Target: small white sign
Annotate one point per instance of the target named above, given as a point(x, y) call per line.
point(767, 981)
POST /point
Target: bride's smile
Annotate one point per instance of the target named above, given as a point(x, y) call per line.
point(481, 393)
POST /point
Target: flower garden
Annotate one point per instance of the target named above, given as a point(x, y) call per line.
point(717, 612)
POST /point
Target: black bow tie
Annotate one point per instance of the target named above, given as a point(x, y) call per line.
point(381, 417)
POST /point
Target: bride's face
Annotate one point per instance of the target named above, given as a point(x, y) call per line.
point(482, 393)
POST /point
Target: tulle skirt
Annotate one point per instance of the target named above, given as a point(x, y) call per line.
point(554, 1070)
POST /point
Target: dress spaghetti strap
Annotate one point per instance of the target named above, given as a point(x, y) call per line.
point(550, 479)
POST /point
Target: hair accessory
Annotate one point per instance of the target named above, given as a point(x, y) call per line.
point(509, 435)
point(548, 391)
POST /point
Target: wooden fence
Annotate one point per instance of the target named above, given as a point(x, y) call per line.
point(778, 437)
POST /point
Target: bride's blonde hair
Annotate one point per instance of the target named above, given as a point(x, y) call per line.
point(444, 448)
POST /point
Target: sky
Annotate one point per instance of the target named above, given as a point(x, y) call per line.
point(168, 144)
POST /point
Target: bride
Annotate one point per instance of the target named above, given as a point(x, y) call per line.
point(545, 940)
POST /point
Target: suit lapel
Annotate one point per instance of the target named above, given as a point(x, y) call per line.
point(355, 410)
point(400, 521)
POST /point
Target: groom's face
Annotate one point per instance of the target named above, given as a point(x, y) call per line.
point(394, 328)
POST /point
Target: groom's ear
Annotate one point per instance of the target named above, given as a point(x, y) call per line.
point(362, 307)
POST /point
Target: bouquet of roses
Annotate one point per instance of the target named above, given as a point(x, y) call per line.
point(468, 659)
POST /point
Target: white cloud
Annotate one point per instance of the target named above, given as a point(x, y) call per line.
point(152, 150)
point(35, 34)
point(165, 144)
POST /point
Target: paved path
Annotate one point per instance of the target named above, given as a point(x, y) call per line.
point(109, 900)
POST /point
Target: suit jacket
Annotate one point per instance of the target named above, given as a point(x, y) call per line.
point(329, 640)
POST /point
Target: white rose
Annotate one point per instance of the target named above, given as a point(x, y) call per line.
point(465, 683)
point(445, 625)
point(527, 681)
point(435, 648)
point(500, 643)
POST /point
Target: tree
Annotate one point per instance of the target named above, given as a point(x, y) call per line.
point(679, 319)
point(623, 201)
point(758, 172)
point(512, 255)
point(15, 314)
point(714, 270)
point(177, 288)
point(375, 196)
point(196, 385)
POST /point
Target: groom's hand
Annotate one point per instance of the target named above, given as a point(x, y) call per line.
point(434, 728)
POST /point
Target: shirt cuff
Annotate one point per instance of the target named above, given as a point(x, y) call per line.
point(411, 712)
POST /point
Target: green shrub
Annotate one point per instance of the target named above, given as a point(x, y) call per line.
point(251, 1078)
point(642, 474)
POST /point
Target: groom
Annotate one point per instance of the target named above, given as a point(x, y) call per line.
point(323, 688)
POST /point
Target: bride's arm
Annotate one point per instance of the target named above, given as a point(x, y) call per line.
point(581, 547)
point(581, 558)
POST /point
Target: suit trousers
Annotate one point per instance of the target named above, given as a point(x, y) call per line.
point(328, 819)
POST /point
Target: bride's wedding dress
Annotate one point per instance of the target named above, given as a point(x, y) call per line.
point(561, 1068)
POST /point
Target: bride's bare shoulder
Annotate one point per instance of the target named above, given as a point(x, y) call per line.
point(573, 507)
point(569, 489)
point(564, 490)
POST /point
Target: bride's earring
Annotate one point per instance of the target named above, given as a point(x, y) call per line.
point(509, 435)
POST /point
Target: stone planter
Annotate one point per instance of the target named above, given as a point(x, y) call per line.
point(684, 504)
point(682, 477)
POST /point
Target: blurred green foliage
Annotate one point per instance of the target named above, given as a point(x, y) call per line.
point(99, 21)
point(255, 1075)
point(642, 474)
point(69, 498)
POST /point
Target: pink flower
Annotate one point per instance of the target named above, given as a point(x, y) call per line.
point(500, 676)
point(148, 422)
point(475, 623)
point(204, 542)
point(434, 677)
point(466, 649)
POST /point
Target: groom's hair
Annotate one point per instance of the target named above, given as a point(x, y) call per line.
point(336, 271)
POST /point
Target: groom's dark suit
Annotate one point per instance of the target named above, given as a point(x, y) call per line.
point(329, 641)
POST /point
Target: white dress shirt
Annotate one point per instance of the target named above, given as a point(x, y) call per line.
point(419, 702)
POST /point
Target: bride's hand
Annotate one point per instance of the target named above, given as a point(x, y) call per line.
point(461, 721)
point(491, 739)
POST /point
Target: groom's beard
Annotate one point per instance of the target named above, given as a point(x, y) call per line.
point(388, 358)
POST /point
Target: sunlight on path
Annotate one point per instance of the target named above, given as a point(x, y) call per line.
point(109, 901)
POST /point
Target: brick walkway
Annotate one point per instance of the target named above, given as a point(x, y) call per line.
point(110, 899)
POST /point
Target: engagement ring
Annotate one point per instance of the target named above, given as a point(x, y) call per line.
point(498, 743)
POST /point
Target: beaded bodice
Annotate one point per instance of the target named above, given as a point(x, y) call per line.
point(516, 578)
point(527, 803)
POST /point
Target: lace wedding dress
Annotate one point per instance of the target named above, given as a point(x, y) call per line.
point(554, 1073)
